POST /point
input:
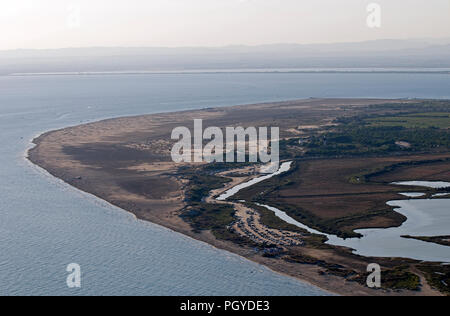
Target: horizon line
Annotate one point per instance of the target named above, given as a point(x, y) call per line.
point(230, 45)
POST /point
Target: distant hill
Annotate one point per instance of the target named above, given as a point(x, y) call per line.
point(427, 53)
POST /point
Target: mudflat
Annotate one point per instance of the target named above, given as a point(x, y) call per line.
point(127, 162)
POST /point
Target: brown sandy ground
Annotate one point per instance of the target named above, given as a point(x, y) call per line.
point(126, 161)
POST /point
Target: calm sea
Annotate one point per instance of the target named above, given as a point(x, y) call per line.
point(45, 224)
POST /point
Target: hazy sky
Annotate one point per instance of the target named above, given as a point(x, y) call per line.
point(80, 23)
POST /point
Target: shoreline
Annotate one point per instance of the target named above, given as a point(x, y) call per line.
point(169, 220)
point(105, 203)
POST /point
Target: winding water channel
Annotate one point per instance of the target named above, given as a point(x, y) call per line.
point(426, 217)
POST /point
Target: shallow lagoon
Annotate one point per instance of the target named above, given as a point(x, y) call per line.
point(425, 184)
point(426, 217)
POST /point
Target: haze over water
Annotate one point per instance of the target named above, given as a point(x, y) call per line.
point(45, 224)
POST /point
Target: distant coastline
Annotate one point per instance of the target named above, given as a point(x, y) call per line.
point(406, 70)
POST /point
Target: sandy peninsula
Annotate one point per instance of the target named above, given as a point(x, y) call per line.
point(126, 161)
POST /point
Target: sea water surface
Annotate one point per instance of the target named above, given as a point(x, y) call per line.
point(46, 224)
